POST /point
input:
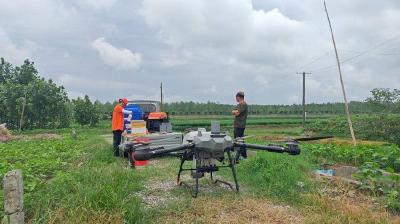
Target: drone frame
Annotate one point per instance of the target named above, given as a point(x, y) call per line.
point(187, 156)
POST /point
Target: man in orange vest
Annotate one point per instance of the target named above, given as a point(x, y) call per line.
point(118, 123)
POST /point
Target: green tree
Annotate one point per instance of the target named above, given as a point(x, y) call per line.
point(86, 112)
point(106, 110)
point(23, 94)
point(384, 100)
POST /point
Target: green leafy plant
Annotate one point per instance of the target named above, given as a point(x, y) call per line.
point(393, 201)
point(384, 127)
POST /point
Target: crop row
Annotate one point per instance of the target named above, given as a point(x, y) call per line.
point(379, 167)
point(384, 127)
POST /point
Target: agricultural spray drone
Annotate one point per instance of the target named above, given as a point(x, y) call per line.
point(209, 151)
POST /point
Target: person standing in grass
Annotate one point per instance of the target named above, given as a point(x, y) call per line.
point(240, 112)
point(118, 123)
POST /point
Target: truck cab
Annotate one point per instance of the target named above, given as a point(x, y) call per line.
point(151, 114)
point(147, 106)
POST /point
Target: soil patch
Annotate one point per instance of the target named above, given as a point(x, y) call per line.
point(156, 193)
point(234, 210)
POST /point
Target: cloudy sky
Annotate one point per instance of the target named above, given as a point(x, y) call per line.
point(206, 50)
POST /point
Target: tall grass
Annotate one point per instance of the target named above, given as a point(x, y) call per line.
point(278, 176)
point(101, 188)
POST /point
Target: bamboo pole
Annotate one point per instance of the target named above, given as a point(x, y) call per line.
point(341, 81)
point(22, 113)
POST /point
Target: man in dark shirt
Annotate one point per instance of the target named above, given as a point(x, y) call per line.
point(240, 112)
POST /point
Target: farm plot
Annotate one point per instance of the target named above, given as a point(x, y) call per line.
point(79, 181)
point(182, 122)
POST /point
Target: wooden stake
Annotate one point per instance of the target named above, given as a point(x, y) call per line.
point(22, 114)
point(341, 81)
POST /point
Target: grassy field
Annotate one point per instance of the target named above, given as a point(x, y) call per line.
point(182, 122)
point(79, 181)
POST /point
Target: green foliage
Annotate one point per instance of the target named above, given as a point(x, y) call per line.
point(181, 123)
point(281, 177)
point(38, 159)
point(374, 180)
point(386, 157)
point(385, 127)
point(393, 201)
point(377, 167)
point(76, 180)
point(106, 110)
point(45, 104)
point(211, 108)
point(384, 100)
point(104, 188)
point(378, 182)
point(86, 112)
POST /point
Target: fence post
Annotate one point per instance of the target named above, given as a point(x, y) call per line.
point(13, 197)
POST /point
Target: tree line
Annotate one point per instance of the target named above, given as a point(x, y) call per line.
point(210, 108)
point(383, 100)
point(29, 101)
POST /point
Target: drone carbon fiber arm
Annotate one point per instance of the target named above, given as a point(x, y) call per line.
point(291, 147)
point(149, 153)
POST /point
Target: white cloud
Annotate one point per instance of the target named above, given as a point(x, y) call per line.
point(226, 28)
point(11, 51)
point(261, 80)
point(120, 58)
point(84, 82)
point(99, 4)
point(192, 45)
point(172, 61)
point(210, 90)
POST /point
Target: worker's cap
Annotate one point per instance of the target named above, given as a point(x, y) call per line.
point(240, 94)
point(123, 100)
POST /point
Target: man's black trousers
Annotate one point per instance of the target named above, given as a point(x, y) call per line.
point(117, 135)
point(237, 133)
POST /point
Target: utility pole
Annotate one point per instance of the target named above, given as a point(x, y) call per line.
point(341, 81)
point(161, 90)
point(304, 95)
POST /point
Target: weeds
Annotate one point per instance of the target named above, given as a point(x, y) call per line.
point(277, 176)
point(95, 187)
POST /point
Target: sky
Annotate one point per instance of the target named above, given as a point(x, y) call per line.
point(206, 50)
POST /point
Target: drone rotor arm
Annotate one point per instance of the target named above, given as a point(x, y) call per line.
point(148, 153)
point(291, 148)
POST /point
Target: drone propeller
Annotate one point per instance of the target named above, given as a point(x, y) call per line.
point(245, 137)
point(305, 139)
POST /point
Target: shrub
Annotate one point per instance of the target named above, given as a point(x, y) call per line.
point(86, 112)
point(385, 127)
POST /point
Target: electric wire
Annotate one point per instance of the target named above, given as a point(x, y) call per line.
point(327, 68)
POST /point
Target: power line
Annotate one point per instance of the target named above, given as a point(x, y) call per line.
point(316, 59)
point(356, 56)
point(378, 53)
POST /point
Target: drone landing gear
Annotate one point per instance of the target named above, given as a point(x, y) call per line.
point(232, 166)
point(198, 172)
